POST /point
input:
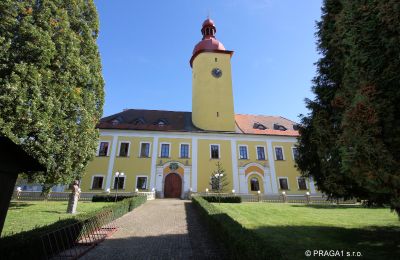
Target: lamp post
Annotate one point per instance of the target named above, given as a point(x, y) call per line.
point(118, 175)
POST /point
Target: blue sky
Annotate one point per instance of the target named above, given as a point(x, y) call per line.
point(145, 47)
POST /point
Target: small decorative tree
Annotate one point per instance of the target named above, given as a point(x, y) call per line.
point(218, 180)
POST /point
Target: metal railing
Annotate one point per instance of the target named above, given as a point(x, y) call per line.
point(72, 241)
point(64, 196)
point(302, 199)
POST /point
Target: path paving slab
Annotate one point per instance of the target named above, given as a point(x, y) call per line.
point(159, 229)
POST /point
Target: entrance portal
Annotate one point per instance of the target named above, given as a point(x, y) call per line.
point(172, 186)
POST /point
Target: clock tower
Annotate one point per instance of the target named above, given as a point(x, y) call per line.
point(212, 97)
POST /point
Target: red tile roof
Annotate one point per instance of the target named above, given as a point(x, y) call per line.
point(175, 121)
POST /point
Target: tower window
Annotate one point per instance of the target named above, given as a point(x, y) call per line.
point(216, 59)
point(214, 151)
point(217, 114)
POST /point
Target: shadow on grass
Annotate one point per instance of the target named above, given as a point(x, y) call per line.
point(18, 205)
point(315, 206)
point(372, 242)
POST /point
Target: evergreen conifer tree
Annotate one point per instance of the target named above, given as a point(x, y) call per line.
point(350, 141)
point(51, 87)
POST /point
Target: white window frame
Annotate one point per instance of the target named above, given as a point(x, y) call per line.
point(113, 184)
point(102, 184)
point(298, 186)
point(147, 181)
point(108, 150)
point(119, 148)
point(265, 152)
point(283, 153)
point(293, 147)
point(287, 181)
point(169, 150)
point(180, 150)
point(140, 149)
point(219, 151)
point(247, 152)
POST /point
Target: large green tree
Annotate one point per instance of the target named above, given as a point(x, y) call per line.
point(350, 140)
point(51, 87)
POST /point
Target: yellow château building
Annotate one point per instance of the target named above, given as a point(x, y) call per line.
point(175, 153)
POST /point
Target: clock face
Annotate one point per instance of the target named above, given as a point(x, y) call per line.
point(216, 72)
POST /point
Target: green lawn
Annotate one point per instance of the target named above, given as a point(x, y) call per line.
point(375, 233)
point(26, 215)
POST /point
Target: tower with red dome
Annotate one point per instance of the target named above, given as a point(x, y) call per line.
point(212, 97)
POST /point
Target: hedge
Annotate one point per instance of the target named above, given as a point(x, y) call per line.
point(230, 199)
point(28, 244)
point(109, 198)
point(241, 243)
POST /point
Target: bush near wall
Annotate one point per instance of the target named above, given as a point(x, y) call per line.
point(109, 198)
point(240, 242)
point(28, 245)
point(230, 199)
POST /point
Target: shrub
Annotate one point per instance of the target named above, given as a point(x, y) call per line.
point(240, 242)
point(29, 244)
point(230, 199)
point(109, 198)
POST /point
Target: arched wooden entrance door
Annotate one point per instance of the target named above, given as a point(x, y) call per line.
point(172, 186)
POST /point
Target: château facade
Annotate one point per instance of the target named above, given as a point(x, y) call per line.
point(175, 153)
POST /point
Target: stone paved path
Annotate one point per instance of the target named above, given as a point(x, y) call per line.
point(159, 229)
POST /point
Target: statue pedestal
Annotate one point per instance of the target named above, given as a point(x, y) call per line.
point(72, 203)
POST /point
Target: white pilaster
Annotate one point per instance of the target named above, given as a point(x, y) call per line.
point(243, 182)
point(111, 162)
point(267, 181)
point(312, 186)
point(153, 163)
point(186, 180)
point(159, 180)
point(271, 157)
point(194, 164)
point(235, 172)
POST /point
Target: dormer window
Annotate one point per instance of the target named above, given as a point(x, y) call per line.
point(279, 127)
point(161, 122)
point(259, 126)
point(138, 121)
point(115, 122)
point(296, 127)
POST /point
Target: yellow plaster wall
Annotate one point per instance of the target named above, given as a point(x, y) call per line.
point(174, 150)
point(133, 165)
point(98, 166)
point(206, 165)
point(251, 152)
point(286, 168)
point(211, 95)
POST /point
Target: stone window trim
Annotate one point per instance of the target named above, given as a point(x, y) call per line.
point(92, 181)
point(114, 182)
point(283, 153)
point(119, 148)
point(160, 155)
point(137, 182)
point(219, 151)
point(265, 155)
point(293, 153)
point(287, 182)
point(99, 147)
point(246, 150)
point(180, 150)
point(140, 149)
point(298, 184)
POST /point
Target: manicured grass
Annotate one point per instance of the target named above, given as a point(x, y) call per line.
point(26, 215)
point(296, 228)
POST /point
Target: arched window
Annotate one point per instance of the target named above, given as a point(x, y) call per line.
point(254, 185)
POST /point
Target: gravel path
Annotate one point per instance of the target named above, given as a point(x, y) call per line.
point(159, 229)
